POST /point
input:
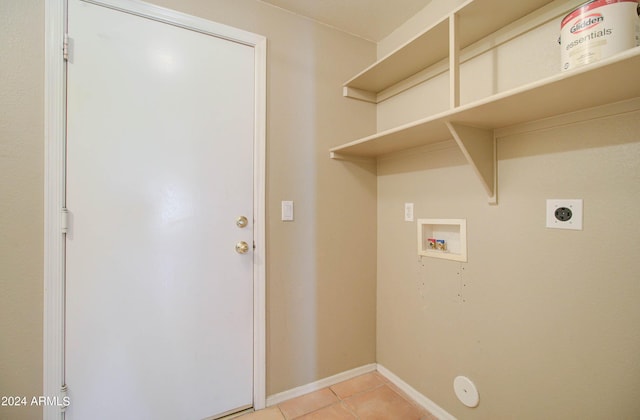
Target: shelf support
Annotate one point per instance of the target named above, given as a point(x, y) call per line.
point(350, 158)
point(454, 61)
point(478, 145)
point(359, 94)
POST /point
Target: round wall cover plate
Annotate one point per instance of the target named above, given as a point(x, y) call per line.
point(466, 391)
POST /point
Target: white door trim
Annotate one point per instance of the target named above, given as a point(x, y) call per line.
point(54, 186)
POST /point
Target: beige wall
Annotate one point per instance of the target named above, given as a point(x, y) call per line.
point(320, 280)
point(544, 321)
point(320, 271)
point(425, 18)
point(21, 201)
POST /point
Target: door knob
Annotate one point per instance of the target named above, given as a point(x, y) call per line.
point(241, 221)
point(242, 247)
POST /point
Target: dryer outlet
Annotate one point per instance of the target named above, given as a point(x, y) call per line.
point(564, 214)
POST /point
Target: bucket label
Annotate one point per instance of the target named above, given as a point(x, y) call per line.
point(585, 23)
point(598, 29)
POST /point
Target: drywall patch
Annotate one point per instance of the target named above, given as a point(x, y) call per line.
point(463, 284)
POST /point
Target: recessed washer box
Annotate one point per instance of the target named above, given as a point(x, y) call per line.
point(564, 214)
point(451, 232)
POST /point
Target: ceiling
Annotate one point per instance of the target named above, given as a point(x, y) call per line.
point(369, 19)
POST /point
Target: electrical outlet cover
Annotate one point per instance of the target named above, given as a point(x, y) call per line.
point(564, 214)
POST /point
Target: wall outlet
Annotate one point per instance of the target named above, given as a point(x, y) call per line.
point(564, 214)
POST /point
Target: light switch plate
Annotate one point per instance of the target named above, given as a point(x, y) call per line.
point(408, 212)
point(287, 211)
point(564, 214)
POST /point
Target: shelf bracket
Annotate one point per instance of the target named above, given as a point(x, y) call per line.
point(350, 158)
point(478, 145)
point(359, 94)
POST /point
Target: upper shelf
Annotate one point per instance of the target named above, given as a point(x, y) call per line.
point(477, 19)
point(607, 81)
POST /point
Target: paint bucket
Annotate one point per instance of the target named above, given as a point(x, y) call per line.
point(598, 29)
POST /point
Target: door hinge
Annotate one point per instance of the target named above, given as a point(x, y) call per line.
point(65, 47)
point(64, 221)
point(64, 403)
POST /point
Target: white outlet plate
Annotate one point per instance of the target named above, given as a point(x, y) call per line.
point(574, 205)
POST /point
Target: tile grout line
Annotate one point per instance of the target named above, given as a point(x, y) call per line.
point(409, 400)
point(342, 403)
point(348, 408)
point(317, 409)
point(365, 391)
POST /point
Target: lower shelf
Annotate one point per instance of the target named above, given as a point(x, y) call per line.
point(610, 80)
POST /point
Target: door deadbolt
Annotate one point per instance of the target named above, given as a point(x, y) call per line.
point(242, 247)
point(242, 222)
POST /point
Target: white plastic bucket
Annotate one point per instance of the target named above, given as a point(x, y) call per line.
point(598, 29)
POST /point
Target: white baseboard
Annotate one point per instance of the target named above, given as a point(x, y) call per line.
point(425, 402)
point(322, 383)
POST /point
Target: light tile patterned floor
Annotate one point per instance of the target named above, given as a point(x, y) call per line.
point(366, 397)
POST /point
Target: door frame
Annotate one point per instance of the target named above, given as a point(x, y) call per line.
point(55, 179)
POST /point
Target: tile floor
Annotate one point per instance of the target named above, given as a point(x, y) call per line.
point(370, 396)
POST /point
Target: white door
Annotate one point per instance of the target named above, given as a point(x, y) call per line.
point(159, 321)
